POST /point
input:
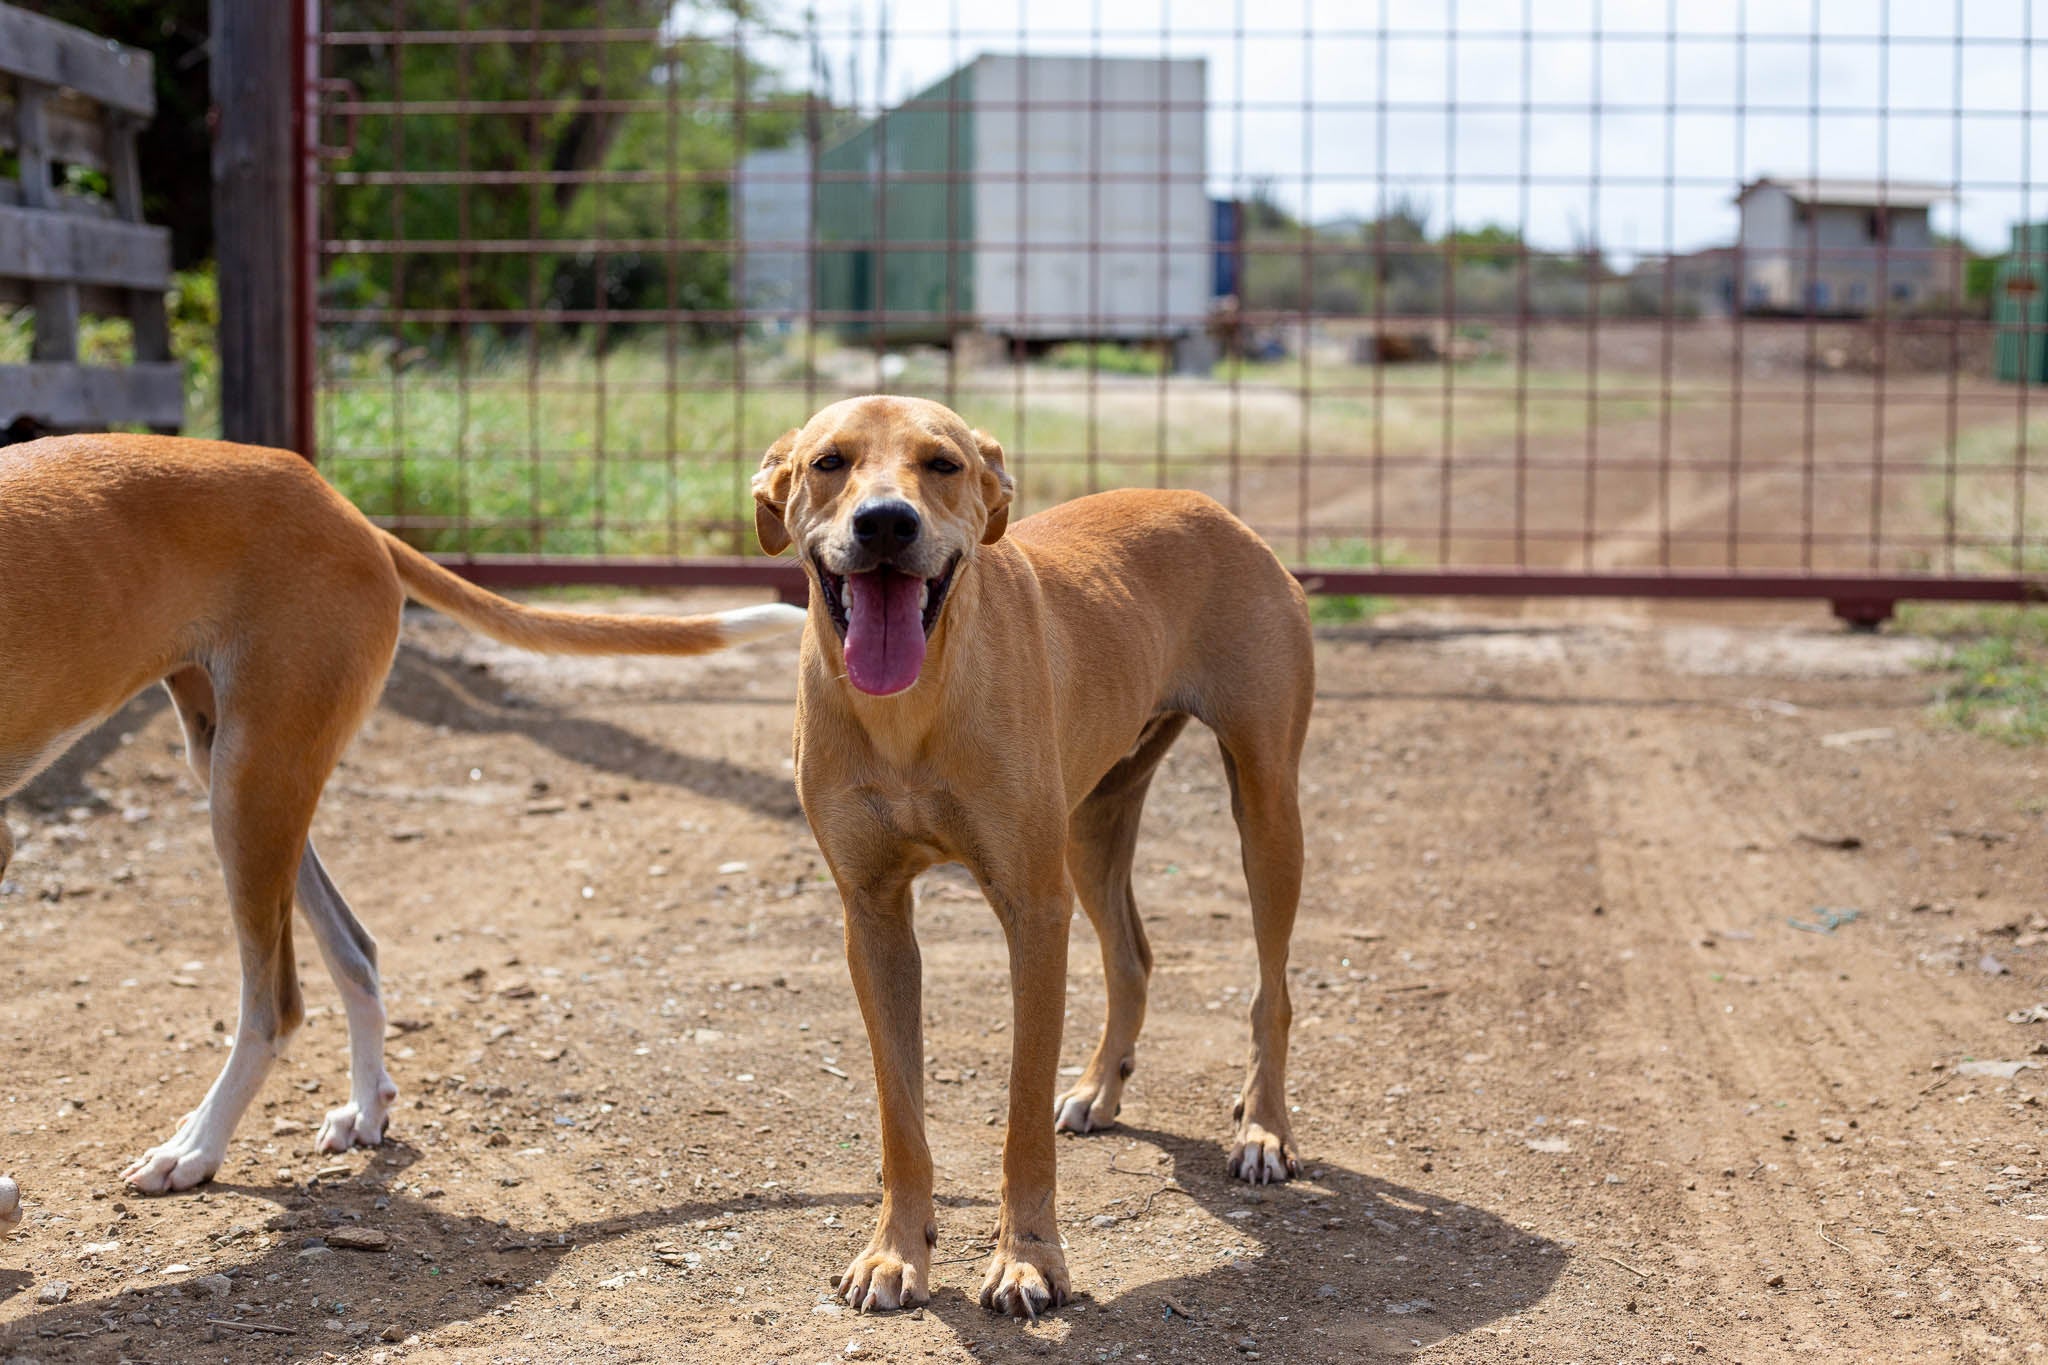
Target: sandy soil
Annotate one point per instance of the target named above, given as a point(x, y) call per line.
point(1580, 1075)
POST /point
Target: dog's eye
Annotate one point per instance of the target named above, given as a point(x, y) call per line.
point(939, 464)
point(828, 462)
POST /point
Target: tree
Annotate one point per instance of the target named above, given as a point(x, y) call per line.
point(670, 104)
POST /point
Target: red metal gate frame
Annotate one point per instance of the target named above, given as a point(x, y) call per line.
point(1864, 601)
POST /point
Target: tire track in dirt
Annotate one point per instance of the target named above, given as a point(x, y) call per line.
point(1773, 1077)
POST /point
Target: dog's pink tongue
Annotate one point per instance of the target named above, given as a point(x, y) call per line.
point(884, 630)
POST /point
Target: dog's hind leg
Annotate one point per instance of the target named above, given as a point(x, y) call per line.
point(351, 957)
point(261, 812)
point(1102, 837)
point(264, 739)
point(1264, 798)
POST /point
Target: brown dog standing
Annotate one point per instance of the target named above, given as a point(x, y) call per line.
point(269, 609)
point(1001, 701)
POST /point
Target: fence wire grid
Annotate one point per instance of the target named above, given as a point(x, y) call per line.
point(1580, 296)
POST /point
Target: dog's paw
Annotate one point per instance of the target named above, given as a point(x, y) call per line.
point(178, 1164)
point(1025, 1278)
point(357, 1124)
point(884, 1278)
point(1086, 1109)
point(10, 1203)
point(1261, 1157)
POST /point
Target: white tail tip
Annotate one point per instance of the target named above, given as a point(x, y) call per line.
point(751, 623)
point(10, 1203)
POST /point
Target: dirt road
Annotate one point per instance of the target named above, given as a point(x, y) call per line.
point(1582, 1072)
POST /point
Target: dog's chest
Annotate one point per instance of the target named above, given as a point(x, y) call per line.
point(891, 817)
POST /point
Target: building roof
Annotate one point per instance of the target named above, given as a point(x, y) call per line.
point(1864, 194)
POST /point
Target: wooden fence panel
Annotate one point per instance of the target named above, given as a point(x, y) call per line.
point(72, 98)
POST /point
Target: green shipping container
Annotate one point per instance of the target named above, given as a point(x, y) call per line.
point(2019, 308)
point(909, 227)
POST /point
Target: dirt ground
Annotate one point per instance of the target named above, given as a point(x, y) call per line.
point(1583, 1073)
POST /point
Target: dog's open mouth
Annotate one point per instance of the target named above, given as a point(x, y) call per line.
point(884, 616)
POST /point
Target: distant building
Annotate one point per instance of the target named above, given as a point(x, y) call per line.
point(773, 189)
point(1838, 246)
point(1034, 198)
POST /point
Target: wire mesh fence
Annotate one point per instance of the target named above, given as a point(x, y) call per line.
point(1577, 296)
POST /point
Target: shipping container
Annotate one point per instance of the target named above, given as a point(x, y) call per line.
point(1027, 197)
point(2019, 307)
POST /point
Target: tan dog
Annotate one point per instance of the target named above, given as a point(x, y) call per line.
point(1001, 701)
point(269, 607)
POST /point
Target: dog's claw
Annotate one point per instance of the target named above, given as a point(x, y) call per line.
point(1260, 1157)
point(879, 1281)
point(1025, 1280)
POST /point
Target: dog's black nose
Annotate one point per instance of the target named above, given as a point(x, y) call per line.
point(886, 523)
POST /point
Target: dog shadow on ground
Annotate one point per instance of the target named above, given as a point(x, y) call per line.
point(431, 690)
point(436, 691)
point(441, 1267)
point(1336, 1266)
point(64, 782)
point(1341, 1265)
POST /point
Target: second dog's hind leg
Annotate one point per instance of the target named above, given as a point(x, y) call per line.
point(264, 741)
point(1102, 837)
point(351, 957)
point(260, 816)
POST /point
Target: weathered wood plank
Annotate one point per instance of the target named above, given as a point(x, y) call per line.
point(73, 132)
point(42, 245)
point(32, 143)
point(94, 300)
point(43, 50)
point(152, 326)
point(56, 340)
point(83, 397)
point(251, 68)
point(124, 167)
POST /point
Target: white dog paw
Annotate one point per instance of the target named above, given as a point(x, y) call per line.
point(357, 1125)
point(1085, 1109)
point(178, 1164)
point(10, 1203)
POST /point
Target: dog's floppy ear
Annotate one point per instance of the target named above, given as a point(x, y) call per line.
point(996, 487)
point(771, 493)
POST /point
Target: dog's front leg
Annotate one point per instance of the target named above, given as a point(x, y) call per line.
point(881, 951)
point(1028, 1273)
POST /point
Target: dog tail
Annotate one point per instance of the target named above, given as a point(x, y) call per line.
point(575, 632)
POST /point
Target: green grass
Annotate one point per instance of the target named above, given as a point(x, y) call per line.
point(1348, 609)
point(1997, 687)
point(1108, 358)
point(632, 453)
point(1984, 497)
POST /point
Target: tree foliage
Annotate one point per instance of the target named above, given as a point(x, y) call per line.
point(584, 141)
point(634, 107)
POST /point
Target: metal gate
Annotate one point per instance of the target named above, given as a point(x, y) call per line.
point(1502, 298)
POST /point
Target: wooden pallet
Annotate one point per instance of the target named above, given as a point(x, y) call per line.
point(68, 97)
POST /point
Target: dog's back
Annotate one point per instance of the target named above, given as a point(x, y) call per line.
point(1191, 592)
point(124, 555)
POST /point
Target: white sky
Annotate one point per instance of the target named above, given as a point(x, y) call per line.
point(1297, 98)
